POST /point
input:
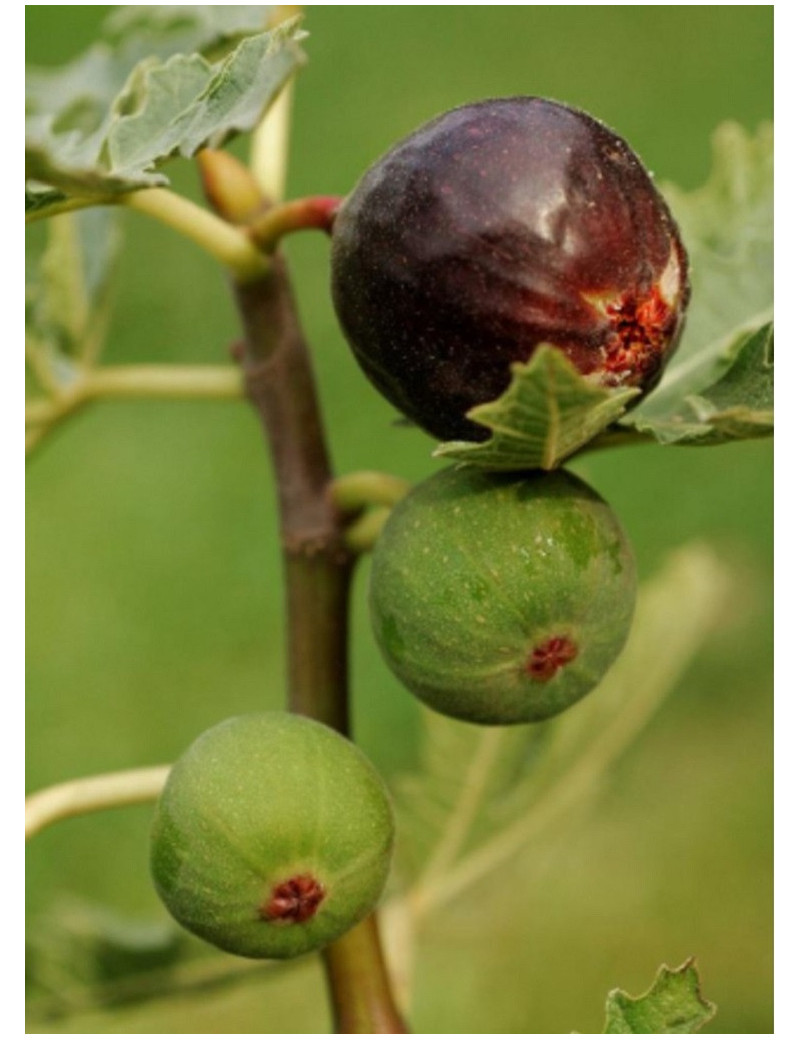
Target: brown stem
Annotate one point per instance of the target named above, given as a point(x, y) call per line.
point(318, 569)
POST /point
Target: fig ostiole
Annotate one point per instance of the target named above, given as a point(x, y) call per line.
point(501, 598)
point(494, 228)
point(272, 837)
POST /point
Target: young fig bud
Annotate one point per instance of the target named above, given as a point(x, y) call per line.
point(500, 598)
point(272, 836)
point(493, 229)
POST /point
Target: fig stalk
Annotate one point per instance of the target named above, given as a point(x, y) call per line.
point(316, 212)
point(360, 996)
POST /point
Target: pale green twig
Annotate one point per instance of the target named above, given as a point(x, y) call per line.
point(173, 382)
point(208, 382)
point(90, 794)
point(223, 241)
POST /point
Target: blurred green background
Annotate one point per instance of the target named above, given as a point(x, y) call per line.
point(154, 596)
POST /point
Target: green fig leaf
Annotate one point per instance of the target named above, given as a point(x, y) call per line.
point(673, 1004)
point(547, 414)
point(185, 28)
point(718, 387)
point(106, 124)
point(738, 405)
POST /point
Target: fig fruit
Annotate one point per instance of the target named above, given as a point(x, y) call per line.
point(272, 836)
point(495, 228)
point(500, 598)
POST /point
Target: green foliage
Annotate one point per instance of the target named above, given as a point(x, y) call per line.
point(717, 388)
point(107, 123)
point(673, 1004)
point(736, 406)
point(547, 414)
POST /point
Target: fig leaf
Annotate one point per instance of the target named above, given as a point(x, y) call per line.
point(547, 414)
point(105, 124)
point(738, 405)
point(673, 1004)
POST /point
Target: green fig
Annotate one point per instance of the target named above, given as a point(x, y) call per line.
point(272, 836)
point(501, 598)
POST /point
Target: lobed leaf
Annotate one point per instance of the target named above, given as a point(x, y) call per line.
point(185, 28)
point(738, 405)
point(105, 124)
point(673, 1004)
point(547, 414)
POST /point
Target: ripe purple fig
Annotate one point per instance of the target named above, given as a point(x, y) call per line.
point(495, 228)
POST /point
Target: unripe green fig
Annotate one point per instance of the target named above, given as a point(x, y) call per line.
point(272, 836)
point(501, 598)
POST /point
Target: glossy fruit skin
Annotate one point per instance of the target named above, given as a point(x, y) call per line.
point(500, 598)
point(494, 228)
point(272, 836)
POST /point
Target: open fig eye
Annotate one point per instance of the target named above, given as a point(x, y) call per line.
point(500, 598)
point(272, 836)
point(495, 228)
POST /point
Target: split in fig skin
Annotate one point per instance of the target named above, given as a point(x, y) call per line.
point(501, 598)
point(272, 837)
point(495, 228)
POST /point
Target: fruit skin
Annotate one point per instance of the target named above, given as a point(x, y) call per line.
point(271, 814)
point(500, 598)
point(494, 228)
